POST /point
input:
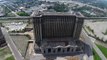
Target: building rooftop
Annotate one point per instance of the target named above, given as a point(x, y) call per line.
point(38, 13)
point(56, 13)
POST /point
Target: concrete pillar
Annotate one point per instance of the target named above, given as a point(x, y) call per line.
point(54, 50)
point(74, 49)
point(70, 49)
point(75, 26)
point(46, 50)
point(65, 50)
point(81, 48)
point(61, 50)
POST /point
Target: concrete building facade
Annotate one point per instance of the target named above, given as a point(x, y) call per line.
point(57, 33)
point(2, 39)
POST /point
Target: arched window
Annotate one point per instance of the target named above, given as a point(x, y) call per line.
point(44, 51)
point(72, 50)
point(59, 49)
point(68, 49)
point(49, 50)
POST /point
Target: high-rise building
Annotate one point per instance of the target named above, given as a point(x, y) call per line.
point(57, 33)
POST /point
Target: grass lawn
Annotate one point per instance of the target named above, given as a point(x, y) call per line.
point(103, 50)
point(95, 55)
point(20, 42)
point(10, 58)
point(1, 49)
point(105, 33)
point(5, 54)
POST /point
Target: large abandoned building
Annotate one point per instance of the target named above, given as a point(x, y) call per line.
point(57, 33)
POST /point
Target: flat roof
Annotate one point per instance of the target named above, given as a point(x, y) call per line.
point(56, 13)
point(38, 14)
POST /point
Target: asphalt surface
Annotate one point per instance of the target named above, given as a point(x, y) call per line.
point(11, 45)
point(88, 47)
point(11, 11)
point(90, 42)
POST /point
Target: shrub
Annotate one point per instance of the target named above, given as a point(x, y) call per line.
point(60, 7)
point(22, 14)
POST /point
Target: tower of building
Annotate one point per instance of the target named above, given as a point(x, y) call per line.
point(57, 33)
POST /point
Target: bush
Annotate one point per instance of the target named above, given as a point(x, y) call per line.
point(22, 14)
point(105, 33)
point(60, 7)
point(10, 58)
point(91, 30)
point(28, 36)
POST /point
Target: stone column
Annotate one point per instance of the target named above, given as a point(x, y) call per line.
point(61, 50)
point(74, 49)
point(70, 49)
point(51, 50)
point(46, 50)
point(54, 50)
point(65, 50)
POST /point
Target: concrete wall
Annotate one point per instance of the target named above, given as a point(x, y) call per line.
point(2, 39)
point(78, 27)
point(57, 27)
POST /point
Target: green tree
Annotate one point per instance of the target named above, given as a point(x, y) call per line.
point(61, 8)
point(22, 14)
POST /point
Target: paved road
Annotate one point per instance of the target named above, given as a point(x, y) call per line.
point(11, 45)
point(92, 45)
point(88, 48)
point(15, 14)
point(11, 10)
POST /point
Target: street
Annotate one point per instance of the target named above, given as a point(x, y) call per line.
point(92, 45)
